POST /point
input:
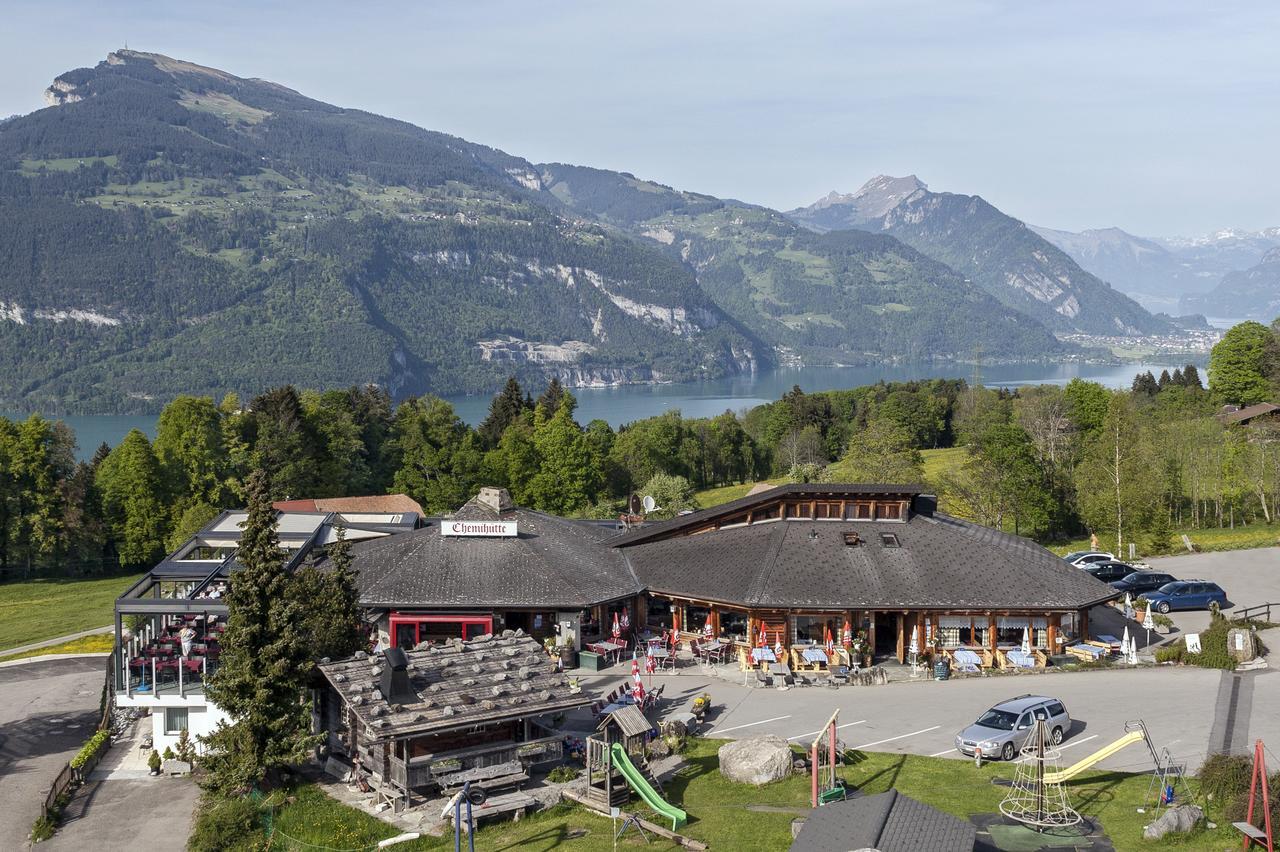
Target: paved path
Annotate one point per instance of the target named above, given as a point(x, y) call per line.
point(58, 641)
point(150, 813)
point(47, 711)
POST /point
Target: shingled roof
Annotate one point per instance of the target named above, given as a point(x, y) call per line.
point(459, 684)
point(553, 562)
point(932, 562)
point(887, 822)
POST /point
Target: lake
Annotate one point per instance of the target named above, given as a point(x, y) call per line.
point(707, 399)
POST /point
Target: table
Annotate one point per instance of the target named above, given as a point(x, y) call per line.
point(966, 660)
point(712, 647)
point(763, 655)
point(662, 658)
point(780, 669)
point(609, 649)
point(814, 655)
point(1021, 660)
point(623, 701)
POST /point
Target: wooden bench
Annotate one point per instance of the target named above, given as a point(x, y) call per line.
point(1089, 651)
point(985, 659)
point(1002, 658)
point(514, 805)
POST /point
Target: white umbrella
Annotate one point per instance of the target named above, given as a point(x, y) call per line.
point(1131, 655)
point(1148, 620)
point(1125, 642)
point(1128, 605)
point(1026, 641)
point(915, 640)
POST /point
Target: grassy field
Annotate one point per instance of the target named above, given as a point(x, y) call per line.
point(34, 610)
point(723, 813)
point(936, 464)
point(98, 643)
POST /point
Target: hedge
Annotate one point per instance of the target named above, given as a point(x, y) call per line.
point(90, 749)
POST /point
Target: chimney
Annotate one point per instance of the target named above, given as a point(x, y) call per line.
point(395, 678)
point(497, 499)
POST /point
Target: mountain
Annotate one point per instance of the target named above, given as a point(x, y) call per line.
point(997, 252)
point(1214, 255)
point(1142, 268)
point(842, 297)
point(166, 228)
point(1252, 293)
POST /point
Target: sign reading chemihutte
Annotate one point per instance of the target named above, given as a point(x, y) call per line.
point(478, 529)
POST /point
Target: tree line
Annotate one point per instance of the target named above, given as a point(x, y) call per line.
point(1049, 462)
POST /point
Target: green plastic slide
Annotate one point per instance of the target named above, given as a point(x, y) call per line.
point(646, 791)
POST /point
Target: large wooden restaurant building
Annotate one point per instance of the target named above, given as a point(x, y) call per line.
point(791, 565)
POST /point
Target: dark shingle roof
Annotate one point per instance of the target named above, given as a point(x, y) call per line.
point(940, 562)
point(795, 489)
point(552, 563)
point(888, 822)
point(1244, 415)
point(460, 684)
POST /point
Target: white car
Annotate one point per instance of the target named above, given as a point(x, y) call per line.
point(1081, 558)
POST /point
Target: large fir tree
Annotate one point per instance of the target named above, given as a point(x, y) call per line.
point(265, 663)
point(332, 603)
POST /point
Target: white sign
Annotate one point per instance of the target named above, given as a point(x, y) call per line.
point(1193, 643)
point(479, 529)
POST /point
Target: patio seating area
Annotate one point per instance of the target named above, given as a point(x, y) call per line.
point(173, 653)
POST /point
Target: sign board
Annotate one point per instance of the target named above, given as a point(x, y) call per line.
point(478, 529)
point(1193, 643)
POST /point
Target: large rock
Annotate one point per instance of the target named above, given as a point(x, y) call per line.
point(1241, 645)
point(175, 767)
point(1176, 820)
point(756, 760)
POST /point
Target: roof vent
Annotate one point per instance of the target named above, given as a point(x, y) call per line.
point(394, 682)
point(888, 540)
point(852, 539)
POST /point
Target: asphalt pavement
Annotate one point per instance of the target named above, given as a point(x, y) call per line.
point(47, 711)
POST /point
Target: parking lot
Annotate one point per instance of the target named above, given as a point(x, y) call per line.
point(1192, 712)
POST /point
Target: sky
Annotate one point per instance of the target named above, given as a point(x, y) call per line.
point(1161, 118)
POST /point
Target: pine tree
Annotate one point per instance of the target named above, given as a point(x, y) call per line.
point(1191, 377)
point(505, 409)
point(265, 664)
point(1165, 380)
point(332, 603)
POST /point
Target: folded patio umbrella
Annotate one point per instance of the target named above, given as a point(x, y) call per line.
point(915, 641)
point(617, 628)
point(1026, 641)
point(846, 638)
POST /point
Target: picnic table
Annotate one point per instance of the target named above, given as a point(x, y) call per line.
point(814, 655)
point(1020, 659)
point(763, 655)
point(780, 669)
point(966, 660)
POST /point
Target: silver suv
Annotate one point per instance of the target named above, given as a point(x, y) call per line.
point(1002, 730)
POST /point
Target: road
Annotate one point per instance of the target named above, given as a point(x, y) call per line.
point(47, 711)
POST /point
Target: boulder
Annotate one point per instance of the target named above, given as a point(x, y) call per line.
point(756, 760)
point(175, 767)
point(1241, 645)
point(1176, 820)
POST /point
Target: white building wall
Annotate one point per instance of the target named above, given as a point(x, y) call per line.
point(202, 716)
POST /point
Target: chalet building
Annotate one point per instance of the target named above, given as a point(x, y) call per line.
point(168, 625)
point(789, 563)
point(1262, 413)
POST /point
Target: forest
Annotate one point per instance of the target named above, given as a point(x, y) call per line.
point(1047, 462)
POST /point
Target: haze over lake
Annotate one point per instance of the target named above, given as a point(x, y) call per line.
point(625, 404)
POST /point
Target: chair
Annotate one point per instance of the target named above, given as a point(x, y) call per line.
point(714, 655)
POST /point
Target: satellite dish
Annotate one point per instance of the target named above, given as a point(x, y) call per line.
point(649, 503)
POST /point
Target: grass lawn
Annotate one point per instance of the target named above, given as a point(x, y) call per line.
point(709, 497)
point(98, 643)
point(34, 610)
point(721, 812)
point(1240, 538)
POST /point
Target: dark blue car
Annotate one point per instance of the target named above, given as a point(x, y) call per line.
point(1186, 594)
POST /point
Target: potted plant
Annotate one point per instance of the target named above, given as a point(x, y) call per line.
point(154, 762)
point(700, 705)
point(1164, 624)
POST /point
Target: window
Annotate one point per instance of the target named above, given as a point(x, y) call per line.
point(858, 511)
point(812, 628)
point(175, 720)
point(733, 624)
point(799, 510)
point(888, 511)
point(694, 618)
point(829, 510)
point(852, 538)
point(888, 540)
point(768, 513)
point(1056, 709)
point(658, 614)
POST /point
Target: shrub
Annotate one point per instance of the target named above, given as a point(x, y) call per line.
point(561, 774)
point(153, 761)
point(1225, 779)
point(90, 749)
point(185, 749)
point(222, 823)
point(168, 753)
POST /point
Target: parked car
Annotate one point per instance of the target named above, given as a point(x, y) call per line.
point(1141, 582)
point(1003, 730)
point(1111, 570)
point(1186, 594)
point(1081, 558)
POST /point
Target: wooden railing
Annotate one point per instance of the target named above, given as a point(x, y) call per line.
point(1258, 612)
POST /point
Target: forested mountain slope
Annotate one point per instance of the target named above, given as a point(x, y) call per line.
point(1252, 292)
point(996, 251)
point(168, 228)
point(846, 297)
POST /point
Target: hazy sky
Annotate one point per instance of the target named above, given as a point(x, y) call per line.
point(1160, 117)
